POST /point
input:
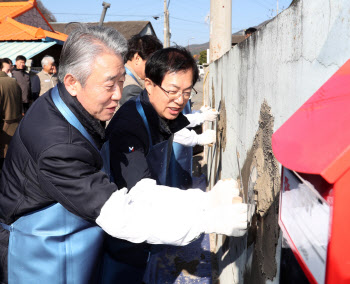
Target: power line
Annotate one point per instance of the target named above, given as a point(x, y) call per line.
point(185, 20)
point(110, 15)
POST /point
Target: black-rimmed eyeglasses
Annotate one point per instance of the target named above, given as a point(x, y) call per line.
point(174, 95)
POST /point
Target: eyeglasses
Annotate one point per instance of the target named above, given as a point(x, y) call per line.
point(174, 95)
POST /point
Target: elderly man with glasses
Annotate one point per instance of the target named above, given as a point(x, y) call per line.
point(150, 120)
point(141, 138)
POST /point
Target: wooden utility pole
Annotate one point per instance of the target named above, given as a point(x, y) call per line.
point(166, 26)
point(220, 28)
point(277, 8)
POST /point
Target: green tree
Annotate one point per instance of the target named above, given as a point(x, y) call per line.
point(203, 57)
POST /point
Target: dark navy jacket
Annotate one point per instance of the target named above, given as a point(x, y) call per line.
point(129, 143)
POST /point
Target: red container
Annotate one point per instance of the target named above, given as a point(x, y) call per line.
point(313, 146)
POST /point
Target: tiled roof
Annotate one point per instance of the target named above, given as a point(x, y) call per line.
point(11, 29)
point(14, 9)
point(126, 28)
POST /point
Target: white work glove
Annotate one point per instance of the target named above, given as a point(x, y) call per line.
point(207, 137)
point(154, 213)
point(208, 113)
point(223, 193)
point(229, 220)
point(186, 137)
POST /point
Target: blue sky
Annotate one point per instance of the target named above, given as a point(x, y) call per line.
point(189, 22)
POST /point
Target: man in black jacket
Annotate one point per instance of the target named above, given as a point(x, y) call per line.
point(23, 80)
point(141, 135)
point(55, 200)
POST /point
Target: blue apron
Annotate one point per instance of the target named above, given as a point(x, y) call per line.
point(130, 262)
point(179, 175)
point(52, 245)
point(159, 155)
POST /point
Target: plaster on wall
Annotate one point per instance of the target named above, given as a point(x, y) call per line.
point(264, 234)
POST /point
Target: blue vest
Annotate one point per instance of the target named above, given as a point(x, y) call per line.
point(52, 245)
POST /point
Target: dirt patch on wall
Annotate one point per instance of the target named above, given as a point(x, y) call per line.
point(221, 122)
point(221, 126)
point(264, 234)
point(212, 94)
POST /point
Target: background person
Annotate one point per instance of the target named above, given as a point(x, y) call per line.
point(248, 32)
point(10, 109)
point(140, 48)
point(46, 78)
point(7, 66)
point(54, 68)
point(23, 80)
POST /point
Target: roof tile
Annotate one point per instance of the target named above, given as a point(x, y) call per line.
point(11, 29)
point(14, 9)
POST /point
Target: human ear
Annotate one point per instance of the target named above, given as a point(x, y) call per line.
point(149, 86)
point(72, 85)
point(138, 58)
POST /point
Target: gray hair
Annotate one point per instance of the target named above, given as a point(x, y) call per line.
point(46, 59)
point(82, 47)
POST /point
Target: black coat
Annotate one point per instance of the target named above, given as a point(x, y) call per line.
point(23, 80)
point(127, 131)
point(50, 161)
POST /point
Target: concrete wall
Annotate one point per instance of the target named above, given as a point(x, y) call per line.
point(261, 82)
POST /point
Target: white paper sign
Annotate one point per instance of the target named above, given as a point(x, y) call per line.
point(306, 218)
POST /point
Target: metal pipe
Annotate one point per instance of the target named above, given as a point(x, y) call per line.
point(104, 11)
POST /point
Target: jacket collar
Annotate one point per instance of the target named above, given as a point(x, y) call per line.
point(3, 74)
point(20, 70)
point(45, 73)
point(140, 82)
point(92, 125)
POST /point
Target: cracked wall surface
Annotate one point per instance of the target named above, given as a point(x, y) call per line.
point(260, 83)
